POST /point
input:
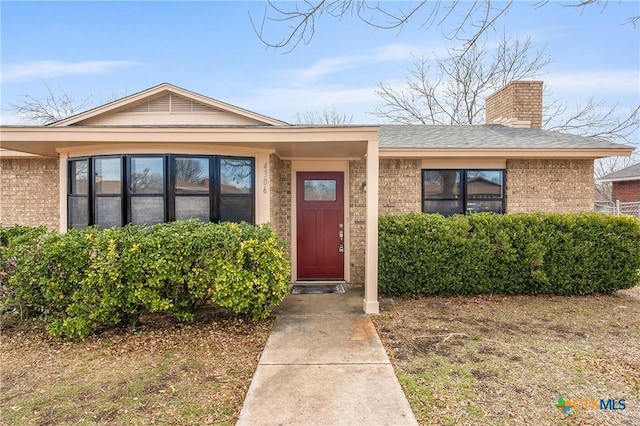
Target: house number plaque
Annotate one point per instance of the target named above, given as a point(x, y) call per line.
point(265, 181)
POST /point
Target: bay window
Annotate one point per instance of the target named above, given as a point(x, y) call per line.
point(109, 191)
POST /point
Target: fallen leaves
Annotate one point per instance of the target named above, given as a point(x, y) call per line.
point(506, 359)
point(163, 372)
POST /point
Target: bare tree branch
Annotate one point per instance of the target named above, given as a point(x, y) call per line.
point(595, 119)
point(50, 108)
point(470, 19)
point(299, 18)
point(452, 90)
point(329, 117)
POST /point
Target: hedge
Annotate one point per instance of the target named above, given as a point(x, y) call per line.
point(539, 253)
point(84, 281)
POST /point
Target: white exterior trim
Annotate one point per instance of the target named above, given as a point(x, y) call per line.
point(464, 163)
point(63, 175)
point(370, 303)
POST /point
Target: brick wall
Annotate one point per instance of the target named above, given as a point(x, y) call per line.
point(399, 192)
point(400, 186)
point(29, 192)
point(626, 192)
point(357, 219)
point(518, 100)
point(280, 208)
point(549, 186)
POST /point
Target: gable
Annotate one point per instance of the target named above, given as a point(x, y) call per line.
point(168, 105)
point(170, 109)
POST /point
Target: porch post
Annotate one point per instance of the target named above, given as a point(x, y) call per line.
point(63, 174)
point(370, 303)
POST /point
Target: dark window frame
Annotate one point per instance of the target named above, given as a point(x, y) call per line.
point(94, 195)
point(169, 192)
point(130, 194)
point(88, 196)
point(173, 193)
point(463, 196)
point(219, 196)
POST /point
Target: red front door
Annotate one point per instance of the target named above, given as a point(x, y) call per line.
point(320, 225)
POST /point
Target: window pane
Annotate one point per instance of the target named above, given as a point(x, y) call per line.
point(484, 206)
point(444, 207)
point(108, 176)
point(484, 184)
point(147, 175)
point(236, 209)
point(108, 212)
point(192, 207)
point(78, 212)
point(147, 210)
point(79, 182)
point(236, 176)
point(320, 190)
point(192, 175)
point(441, 184)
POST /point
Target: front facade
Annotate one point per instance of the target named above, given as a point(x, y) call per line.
point(167, 154)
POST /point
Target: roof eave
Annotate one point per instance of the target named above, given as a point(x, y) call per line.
point(625, 179)
point(512, 153)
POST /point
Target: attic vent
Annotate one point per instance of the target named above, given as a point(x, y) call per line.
point(160, 105)
point(180, 104)
point(171, 103)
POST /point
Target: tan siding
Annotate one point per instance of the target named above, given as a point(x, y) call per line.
point(29, 192)
point(549, 186)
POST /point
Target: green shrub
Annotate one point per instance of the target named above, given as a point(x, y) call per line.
point(538, 253)
point(84, 281)
point(16, 243)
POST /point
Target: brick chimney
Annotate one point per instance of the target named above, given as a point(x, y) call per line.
point(518, 104)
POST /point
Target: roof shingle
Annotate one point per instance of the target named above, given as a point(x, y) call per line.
point(482, 136)
point(628, 173)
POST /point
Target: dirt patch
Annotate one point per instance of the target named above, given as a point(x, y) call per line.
point(507, 360)
point(163, 372)
point(632, 292)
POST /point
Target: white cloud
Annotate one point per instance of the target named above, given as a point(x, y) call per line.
point(310, 89)
point(50, 69)
point(324, 67)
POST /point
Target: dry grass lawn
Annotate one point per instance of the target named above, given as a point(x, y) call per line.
point(165, 373)
point(505, 360)
point(461, 361)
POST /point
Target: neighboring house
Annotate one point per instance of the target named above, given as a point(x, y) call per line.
point(167, 153)
point(625, 190)
point(625, 184)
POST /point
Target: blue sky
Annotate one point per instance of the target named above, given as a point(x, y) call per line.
point(112, 49)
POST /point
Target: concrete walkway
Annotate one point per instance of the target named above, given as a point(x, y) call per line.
point(324, 364)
